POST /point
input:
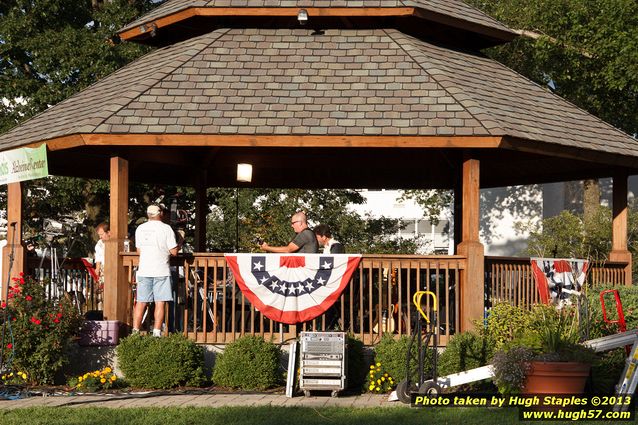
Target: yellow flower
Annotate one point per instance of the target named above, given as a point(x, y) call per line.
point(383, 378)
point(371, 387)
point(80, 379)
point(385, 374)
point(24, 375)
point(113, 378)
point(103, 380)
point(379, 381)
point(378, 388)
point(378, 364)
point(107, 369)
point(371, 366)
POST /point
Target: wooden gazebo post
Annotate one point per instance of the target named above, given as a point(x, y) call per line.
point(619, 248)
point(116, 298)
point(14, 235)
point(472, 291)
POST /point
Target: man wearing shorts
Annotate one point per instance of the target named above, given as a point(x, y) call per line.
point(155, 242)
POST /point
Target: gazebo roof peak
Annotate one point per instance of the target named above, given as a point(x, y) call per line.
point(447, 20)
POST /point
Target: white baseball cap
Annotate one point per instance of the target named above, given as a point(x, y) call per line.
point(153, 210)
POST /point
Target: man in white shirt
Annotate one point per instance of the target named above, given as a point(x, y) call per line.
point(155, 242)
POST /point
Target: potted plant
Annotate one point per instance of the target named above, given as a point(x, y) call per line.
point(545, 358)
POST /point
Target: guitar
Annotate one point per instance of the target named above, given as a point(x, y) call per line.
point(387, 322)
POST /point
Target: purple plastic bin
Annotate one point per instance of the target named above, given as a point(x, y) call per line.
point(100, 332)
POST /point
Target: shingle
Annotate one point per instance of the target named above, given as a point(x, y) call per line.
point(446, 92)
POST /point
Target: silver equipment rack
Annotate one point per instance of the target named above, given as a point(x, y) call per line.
point(323, 362)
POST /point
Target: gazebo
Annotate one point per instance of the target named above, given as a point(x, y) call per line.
point(331, 93)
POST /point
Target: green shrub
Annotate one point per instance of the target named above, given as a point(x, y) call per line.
point(160, 363)
point(38, 332)
point(357, 365)
point(392, 353)
point(629, 299)
point(504, 322)
point(464, 351)
point(606, 373)
point(250, 363)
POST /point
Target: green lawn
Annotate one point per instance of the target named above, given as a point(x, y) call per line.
point(263, 416)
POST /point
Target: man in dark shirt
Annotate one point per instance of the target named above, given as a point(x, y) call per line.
point(304, 243)
point(325, 239)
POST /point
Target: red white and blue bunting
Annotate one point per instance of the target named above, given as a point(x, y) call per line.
point(558, 279)
point(292, 288)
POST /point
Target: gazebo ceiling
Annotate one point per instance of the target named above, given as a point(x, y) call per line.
point(335, 108)
point(312, 167)
point(452, 21)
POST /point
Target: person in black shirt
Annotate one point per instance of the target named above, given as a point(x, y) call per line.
point(325, 239)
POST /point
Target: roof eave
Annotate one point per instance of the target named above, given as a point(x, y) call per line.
point(144, 31)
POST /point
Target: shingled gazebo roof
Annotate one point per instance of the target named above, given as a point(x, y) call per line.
point(363, 100)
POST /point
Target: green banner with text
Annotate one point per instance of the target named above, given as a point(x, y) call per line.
point(22, 164)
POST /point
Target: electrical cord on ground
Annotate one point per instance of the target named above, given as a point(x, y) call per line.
point(13, 392)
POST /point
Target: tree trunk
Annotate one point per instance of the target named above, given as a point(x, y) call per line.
point(591, 199)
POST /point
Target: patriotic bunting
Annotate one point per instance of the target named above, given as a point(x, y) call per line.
point(292, 288)
point(557, 279)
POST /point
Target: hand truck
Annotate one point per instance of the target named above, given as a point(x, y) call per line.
point(422, 338)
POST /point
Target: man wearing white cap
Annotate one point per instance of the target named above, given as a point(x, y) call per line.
point(155, 242)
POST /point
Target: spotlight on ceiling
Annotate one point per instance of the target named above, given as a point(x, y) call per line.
point(302, 16)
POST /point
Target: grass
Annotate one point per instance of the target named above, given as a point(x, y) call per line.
point(262, 416)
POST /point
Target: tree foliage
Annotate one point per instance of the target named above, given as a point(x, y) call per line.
point(568, 235)
point(265, 213)
point(587, 51)
point(51, 49)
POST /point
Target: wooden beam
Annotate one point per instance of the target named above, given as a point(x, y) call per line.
point(312, 11)
point(65, 142)
point(243, 140)
point(14, 238)
point(117, 305)
point(472, 278)
point(619, 232)
point(144, 29)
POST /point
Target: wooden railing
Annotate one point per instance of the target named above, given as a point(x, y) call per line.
point(511, 280)
point(210, 308)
